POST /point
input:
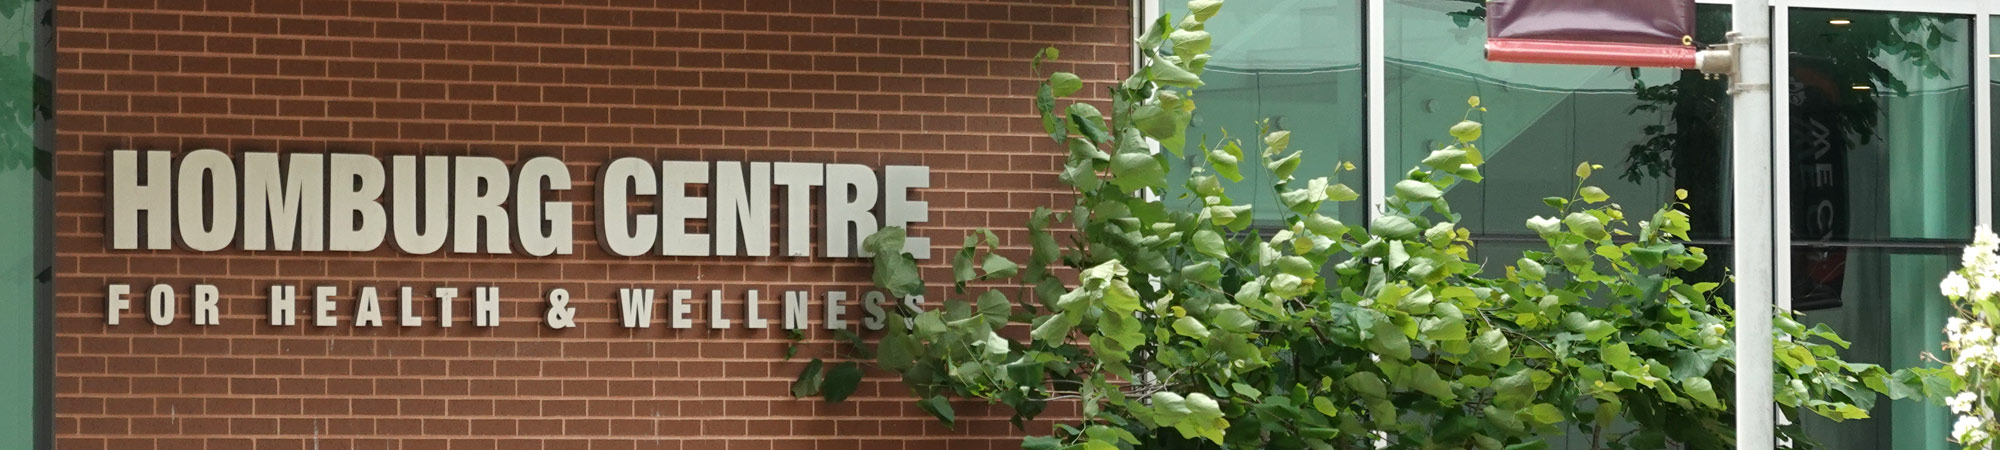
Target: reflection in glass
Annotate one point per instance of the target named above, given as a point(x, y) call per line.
point(1891, 311)
point(1655, 130)
point(1881, 126)
point(1881, 160)
point(1296, 63)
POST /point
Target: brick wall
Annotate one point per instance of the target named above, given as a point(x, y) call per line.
point(942, 83)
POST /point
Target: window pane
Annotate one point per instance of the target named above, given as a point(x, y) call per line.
point(1297, 64)
point(1993, 101)
point(1886, 302)
point(1881, 126)
point(1654, 130)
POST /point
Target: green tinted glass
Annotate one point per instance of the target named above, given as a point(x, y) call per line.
point(1296, 64)
point(21, 235)
point(1881, 144)
point(1654, 130)
point(1881, 160)
point(1886, 302)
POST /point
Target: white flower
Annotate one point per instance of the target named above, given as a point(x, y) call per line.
point(1984, 238)
point(1961, 367)
point(1973, 352)
point(1967, 430)
point(1955, 286)
point(1961, 403)
point(1977, 334)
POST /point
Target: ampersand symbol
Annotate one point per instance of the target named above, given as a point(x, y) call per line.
point(560, 315)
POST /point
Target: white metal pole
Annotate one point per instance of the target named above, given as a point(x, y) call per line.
point(1751, 90)
point(1378, 121)
point(1982, 118)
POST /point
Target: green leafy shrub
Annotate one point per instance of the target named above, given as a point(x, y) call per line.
point(1188, 328)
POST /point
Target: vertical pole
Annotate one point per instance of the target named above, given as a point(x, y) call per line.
point(1376, 64)
point(1750, 88)
point(1982, 118)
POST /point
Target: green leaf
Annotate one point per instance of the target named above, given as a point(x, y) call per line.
point(1201, 10)
point(1188, 43)
point(842, 381)
point(1394, 227)
point(1618, 355)
point(1545, 413)
point(1546, 227)
point(1088, 122)
point(995, 344)
point(1202, 406)
point(1169, 408)
point(1530, 269)
point(894, 352)
point(1053, 124)
point(894, 269)
point(1368, 384)
point(1052, 328)
point(1168, 74)
point(1701, 391)
point(809, 379)
point(1325, 226)
point(1246, 390)
point(1277, 141)
point(1491, 348)
point(1082, 175)
point(993, 305)
point(1425, 379)
point(1325, 406)
point(1341, 193)
point(1586, 225)
point(1081, 149)
point(1204, 272)
point(1157, 122)
point(997, 266)
point(1190, 327)
point(1413, 190)
point(929, 325)
point(1062, 84)
point(1225, 161)
point(1593, 194)
point(1466, 131)
point(1208, 242)
point(1233, 319)
point(1283, 168)
point(1583, 170)
point(1514, 391)
point(1041, 443)
point(1134, 171)
point(940, 408)
point(1389, 341)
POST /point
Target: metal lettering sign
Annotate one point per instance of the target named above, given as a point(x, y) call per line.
point(209, 200)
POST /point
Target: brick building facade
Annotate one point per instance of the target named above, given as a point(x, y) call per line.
point(943, 84)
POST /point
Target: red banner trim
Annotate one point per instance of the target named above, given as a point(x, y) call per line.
point(1589, 53)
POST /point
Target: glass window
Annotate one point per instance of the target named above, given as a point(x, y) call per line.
point(1881, 126)
point(1881, 160)
point(1654, 130)
point(1296, 63)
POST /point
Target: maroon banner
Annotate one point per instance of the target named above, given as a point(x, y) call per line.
point(1644, 33)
